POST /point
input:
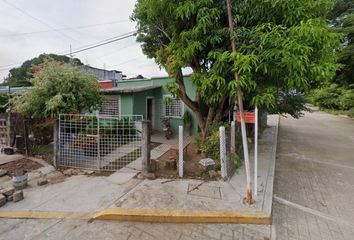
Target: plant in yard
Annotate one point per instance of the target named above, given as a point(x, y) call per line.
point(58, 89)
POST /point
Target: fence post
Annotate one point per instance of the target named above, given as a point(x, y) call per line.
point(255, 151)
point(145, 148)
point(98, 142)
point(180, 151)
point(223, 153)
point(56, 141)
point(232, 142)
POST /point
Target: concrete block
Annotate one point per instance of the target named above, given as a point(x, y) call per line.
point(10, 198)
point(2, 200)
point(213, 174)
point(42, 181)
point(3, 172)
point(8, 191)
point(18, 196)
point(148, 175)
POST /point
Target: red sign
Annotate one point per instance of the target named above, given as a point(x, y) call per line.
point(249, 117)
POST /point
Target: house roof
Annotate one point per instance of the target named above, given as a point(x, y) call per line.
point(132, 89)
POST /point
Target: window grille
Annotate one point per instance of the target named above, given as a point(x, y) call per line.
point(110, 107)
point(173, 107)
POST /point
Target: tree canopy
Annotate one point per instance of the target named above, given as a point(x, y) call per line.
point(284, 47)
point(342, 20)
point(58, 88)
point(338, 93)
point(20, 76)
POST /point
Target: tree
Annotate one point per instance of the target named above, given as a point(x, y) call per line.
point(57, 89)
point(342, 21)
point(20, 76)
point(284, 48)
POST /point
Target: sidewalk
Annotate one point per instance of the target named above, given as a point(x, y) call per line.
point(88, 195)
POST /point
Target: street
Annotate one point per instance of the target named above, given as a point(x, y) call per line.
point(314, 178)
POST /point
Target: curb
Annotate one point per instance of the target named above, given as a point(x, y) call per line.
point(145, 215)
point(44, 215)
point(183, 216)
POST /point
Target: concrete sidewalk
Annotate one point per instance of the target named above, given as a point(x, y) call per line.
point(89, 195)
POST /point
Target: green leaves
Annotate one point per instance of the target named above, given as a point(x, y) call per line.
point(58, 89)
point(283, 46)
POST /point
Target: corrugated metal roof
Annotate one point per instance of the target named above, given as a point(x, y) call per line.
point(132, 89)
point(13, 89)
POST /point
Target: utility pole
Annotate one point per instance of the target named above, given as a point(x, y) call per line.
point(249, 196)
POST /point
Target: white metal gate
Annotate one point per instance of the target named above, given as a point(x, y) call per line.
point(99, 142)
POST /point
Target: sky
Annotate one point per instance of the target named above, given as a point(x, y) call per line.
point(29, 28)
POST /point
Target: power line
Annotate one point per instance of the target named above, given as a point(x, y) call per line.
point(38, 20)
point(83, 48)
point(101, 44)
point(63, 29)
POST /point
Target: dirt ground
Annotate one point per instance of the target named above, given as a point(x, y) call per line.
point(167, 164)
point(23, 163)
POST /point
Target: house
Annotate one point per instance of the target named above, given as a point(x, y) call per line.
point(147, 97)
point(106, 78)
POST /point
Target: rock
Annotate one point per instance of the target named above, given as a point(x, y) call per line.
point(18, 196)
point(140, 176)
point(42, 181)
point(8, 191)
point(2, 200)
point(88, 172)
point(207, 164)
point(71, 171)
point(3, 172)
point(149, 175)
point(219, 172)
point(213, 174)
point(10, 198)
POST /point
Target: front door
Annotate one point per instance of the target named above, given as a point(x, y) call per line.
point(150, 110)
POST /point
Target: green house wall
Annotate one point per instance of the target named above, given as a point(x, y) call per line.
point(135, 103)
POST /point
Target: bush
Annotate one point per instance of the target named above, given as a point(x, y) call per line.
point(334, 97)
point(211, 146)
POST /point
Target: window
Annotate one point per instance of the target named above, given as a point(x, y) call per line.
point(172, 107)
point(110, 107)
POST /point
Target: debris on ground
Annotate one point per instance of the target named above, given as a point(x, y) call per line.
point(18, 196)
point(8, 191)
point(24, 164)
point(10, 194)
point(42, 181)
point(2, 200)
point(3, 172)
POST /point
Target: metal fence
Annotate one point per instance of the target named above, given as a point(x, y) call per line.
point(98, 142)
point(3, 132)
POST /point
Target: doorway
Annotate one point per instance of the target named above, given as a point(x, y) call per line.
point(150, 110)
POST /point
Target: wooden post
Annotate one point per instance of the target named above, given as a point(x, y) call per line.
point(249, 197)
point(145, 148)
point(56, 142)
point(25, 133)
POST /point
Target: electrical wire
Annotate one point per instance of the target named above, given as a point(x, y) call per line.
point(83, 48)
point(38, 20)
